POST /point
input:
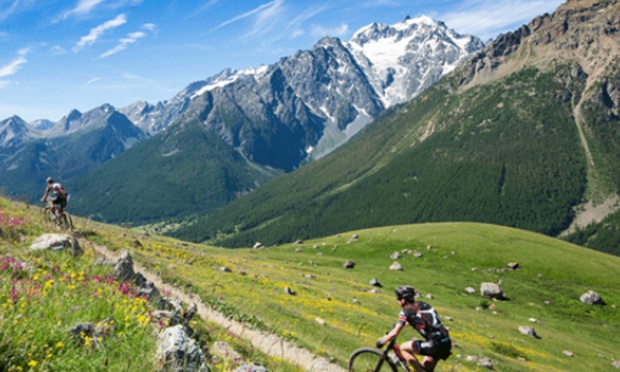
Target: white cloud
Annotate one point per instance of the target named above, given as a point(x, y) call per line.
point(338, 31)
point(57, 50)
point(123, 43)
point(149, 26)
point(262, 10)
point(10, 9)
point(93, 80)
point(12, 67)
point(488, 18)
point(96, 32)
point(83, 7)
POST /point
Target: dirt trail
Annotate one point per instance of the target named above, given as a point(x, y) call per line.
point(267, 343)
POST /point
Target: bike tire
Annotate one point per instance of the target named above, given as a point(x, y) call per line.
point(48, 215)
point(370, 360)
point(66, 222)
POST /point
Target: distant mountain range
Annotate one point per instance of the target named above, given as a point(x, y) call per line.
point(523, 134)
point(270, 120)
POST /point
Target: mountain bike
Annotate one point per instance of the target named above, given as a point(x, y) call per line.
point(62, 221)
point(369, 359)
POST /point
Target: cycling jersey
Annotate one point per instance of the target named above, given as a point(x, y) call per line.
point(425, 320)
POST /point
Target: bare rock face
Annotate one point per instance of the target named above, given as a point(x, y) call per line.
point(581, 31)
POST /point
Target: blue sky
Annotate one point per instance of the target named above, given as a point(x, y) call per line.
point(57, 55)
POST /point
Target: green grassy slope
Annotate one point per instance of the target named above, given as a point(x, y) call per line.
point(43, 295)
point(553, 275)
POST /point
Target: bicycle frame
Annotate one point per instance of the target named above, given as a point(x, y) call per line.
point(401, 361)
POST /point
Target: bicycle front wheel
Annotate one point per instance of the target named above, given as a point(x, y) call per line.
point(369, 360)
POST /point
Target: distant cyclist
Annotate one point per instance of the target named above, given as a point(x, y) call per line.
point(424, 319)
point(56, 195)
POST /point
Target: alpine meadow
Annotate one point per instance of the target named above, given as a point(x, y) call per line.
point(262, 219)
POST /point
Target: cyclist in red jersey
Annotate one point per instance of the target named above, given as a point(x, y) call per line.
point(421, 316)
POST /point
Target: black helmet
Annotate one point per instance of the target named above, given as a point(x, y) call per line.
point(49, 180)
point(405, 292)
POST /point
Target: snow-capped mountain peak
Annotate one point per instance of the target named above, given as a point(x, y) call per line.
point(404, 59)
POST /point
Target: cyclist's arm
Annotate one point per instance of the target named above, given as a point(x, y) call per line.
point(391, 334)
point(44, 198)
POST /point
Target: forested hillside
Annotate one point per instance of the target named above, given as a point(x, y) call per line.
point(520, 136)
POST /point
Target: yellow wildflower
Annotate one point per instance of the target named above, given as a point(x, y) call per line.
point(32, 363)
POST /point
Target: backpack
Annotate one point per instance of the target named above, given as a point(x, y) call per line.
point(59, 191)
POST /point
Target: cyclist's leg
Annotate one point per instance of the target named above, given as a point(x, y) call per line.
point(429, 363)
point(408, 350)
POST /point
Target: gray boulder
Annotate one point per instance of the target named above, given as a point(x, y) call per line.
point(396, 267)
point(491, 290)
point(528, 331)
point(51, 242)
point(123, 271)
point(591, 298)
point(178, 352)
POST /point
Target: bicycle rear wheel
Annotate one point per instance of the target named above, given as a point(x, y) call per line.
point(65, 221)
point(369, 360)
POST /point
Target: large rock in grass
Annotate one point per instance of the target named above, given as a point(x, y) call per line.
point(123, 271)
point(591, 298)
point(178, 352)
point(57, 242)
point(491, 290)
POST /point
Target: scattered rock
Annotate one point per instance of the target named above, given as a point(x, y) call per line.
point(309, 276)
point(533, 320)
point(355, 301)
point(374, 290)
point(395, 256)
point(616, 363)
point(76, 250)
point(251, 368)
point(470, 290)
point(299, 241)
point(123, 271)
point(290, 291)
point(486, 363)
point(513, 265)
point(354, 237)
point(349, 265)
point(491, 290)
point(417, 255)
point(258, 245)
point(591, 298)
point(568, 353)
point(51, 241)
point(528, 331)
point(429, 247)
point(225, 269)
point(320, 321)
point(471, 358)
point(299, 249)
point(136, 243)
point(375, 283)
point(396, 267)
